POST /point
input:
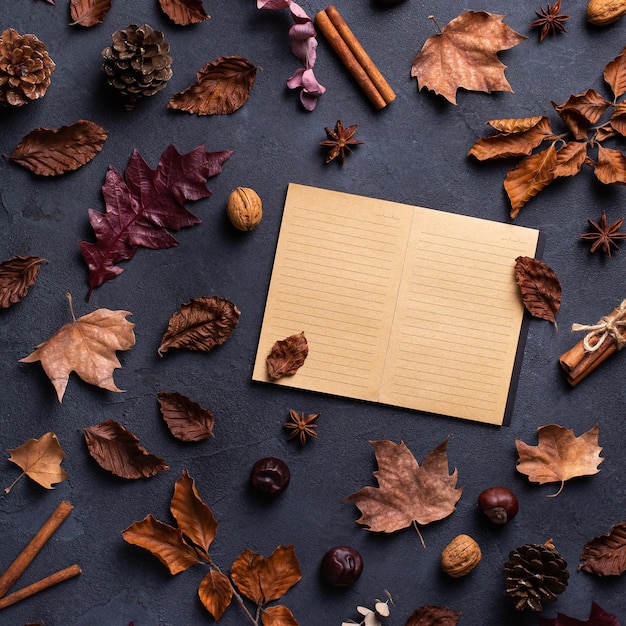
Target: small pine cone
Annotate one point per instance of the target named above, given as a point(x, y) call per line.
point(138, 63)
point(25, 68)
point(535, 573)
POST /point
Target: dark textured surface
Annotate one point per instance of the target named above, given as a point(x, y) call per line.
point(413, 152)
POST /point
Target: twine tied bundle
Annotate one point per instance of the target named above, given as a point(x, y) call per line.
point(608, 326)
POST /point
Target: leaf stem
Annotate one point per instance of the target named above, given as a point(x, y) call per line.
point(69, 299)
point(237, 595)
point(434, 19)
point(7, 489)
point(419, 534)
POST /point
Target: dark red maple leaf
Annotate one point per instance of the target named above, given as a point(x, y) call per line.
point(143, 204)
point(597, 617)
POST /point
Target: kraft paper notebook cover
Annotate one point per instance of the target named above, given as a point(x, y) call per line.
point(401, 305)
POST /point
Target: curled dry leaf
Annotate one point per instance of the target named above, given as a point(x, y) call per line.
point(597, 617)
point(215, 593)
point(40, 459)
point(539, 286)
point(200, 325)
point(464, 55)
point(89, 12)
point(559, 455)
point(407, 494)
point(17, 276)
point(429, 615)
point(606, 555)
point(118, 451)
point(50, 152)
point(184, 12)
point(221, 87)
point(186, 419)
point(86, 346)
point(287, 356)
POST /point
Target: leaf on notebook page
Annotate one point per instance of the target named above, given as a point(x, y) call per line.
point(539, 286)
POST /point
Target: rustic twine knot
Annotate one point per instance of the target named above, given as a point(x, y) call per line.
point(608, 326)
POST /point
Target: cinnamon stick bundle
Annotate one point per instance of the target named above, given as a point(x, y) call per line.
point(352, 54)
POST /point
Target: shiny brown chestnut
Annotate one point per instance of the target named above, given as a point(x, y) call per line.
point(499, 504)
point(269, 476)
point(341, 566)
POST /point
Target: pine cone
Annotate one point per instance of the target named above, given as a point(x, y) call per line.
point(535, 573)
point(25, 68)
point(138, 63)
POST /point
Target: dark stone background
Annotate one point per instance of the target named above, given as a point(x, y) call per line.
point(413, 152)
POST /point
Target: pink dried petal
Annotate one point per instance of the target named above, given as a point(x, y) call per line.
point(310, 84)
point(273, 4)
point(298, 13)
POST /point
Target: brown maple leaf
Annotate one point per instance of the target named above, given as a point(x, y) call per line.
point(407, 493)
point(464, 55)
point(539, 286)
point(186, 419)
point(287, 356)
point(87, 346)
point(606, 555)
point(40, 459)
point(184, 12)
point(559, 455)
point(597, 617)
point(429, 615)
point(17, 276)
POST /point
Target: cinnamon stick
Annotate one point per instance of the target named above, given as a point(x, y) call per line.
point(16, 569)
point(353, 56)
point(40, 585)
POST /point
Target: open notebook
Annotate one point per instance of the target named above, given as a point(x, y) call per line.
point(401, 305)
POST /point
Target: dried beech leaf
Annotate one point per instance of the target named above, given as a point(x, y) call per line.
point(517, 125)
point(221, 87)
point(194, 518)
point(263, 579)
point(86, 346)
point(40, 459)
point(615, 74)
point(200, 325)
point(287, 356)
point(50, 152)
point(618, 119)
point(163, 541)
point(611, 166)
point(407, 493)
point(606, 555)
point(570, 158)
point(539, 286)
point(186, 419)
point(597, 617)
point(278, 615)
point(216, 593)
point(590, 105)
point(559, 455)
point(464, 55)
point(118, 451)
point(89, 12)
point(433, 616)
point(529, 177)
point(184, 12)
point(17, 276)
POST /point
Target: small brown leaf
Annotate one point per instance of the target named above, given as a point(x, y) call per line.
point(216, 593)
point(517, 124)
point(433, 616)
point(117, 450)
point(163, 541)
point(611, 166)
point(221, 87)
point(40, 459)
point(184, 12)
point(287, 356)
point(606, 555)
point(539, 286)
point(88, 12)
point(618, 119)
point(570, 158)
point(615, 74)
point(186, 419)
point(278, 615)
point(559, 455)
point(50, 152)
point(590, 106)
point(17, 276)
point(200, 325)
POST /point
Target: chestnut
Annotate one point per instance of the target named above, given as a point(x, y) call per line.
point(499, 504)
point(269, 476)
point(341, 566)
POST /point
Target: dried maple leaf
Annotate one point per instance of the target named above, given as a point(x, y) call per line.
point(118, 451)
point(606, 555)
point(186, 419)
point(433, 616)
point(539, 286)
point(464, 55)
point(50, 152)
point(17, 276)
point(287, 356)
point(200, 325)
point(184, 12)
point(145, 203)
point(559, 455)
point(221, 87)
point(87, 346)
point(89, 12)
point(407, 494)
point(597, 617)
point(40, 459)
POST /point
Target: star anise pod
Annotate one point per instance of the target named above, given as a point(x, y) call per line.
point(604, 235)
point(550, 20)
point(339, 141)
point(301, 425)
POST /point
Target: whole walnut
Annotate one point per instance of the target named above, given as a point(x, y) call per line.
point(245, 208)
point(460, 556)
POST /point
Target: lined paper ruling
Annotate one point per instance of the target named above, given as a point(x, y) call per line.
point(402, 305)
